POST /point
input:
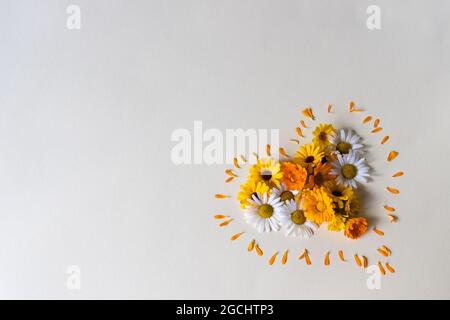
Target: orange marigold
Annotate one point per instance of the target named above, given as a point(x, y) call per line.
point(294, 176)
point(355, 228)
point(320, 175)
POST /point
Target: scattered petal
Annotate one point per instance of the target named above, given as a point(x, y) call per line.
point(258, 250)
point(384, 140)
point(357, 260)
point(235, 162)
point(389, 267)
point(329, 108)
point(225, 223)
point(244, 160)
point(255, 155)
point(303, 124)
point(380, 266)
point(235, 236)
point(392, 190)
point(378, 129)
point(326, 260)
point(364, 262)
point(272, 258)
point(282, 152)
point(251, 245)
point(299, 132)
point(376, 123)
point(307, 112)
point(386, 249)
point(294, 141)
point(230, 173)
point(285, 256)
point(392, 155)
point(220, 216)
point(388, 208)
point(397, 174)
point(268, 150)
point(341, 255)
point(308, 261)
point(229, 179)
point(378, 232)
point(382, 252)
point(351, 104)
point(367, 119)
point(392, 218)
point(221, 196)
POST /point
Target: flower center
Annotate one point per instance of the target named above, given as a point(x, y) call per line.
point(309, 159)
point(265, 211)
point(266, 175)
point(323, 136)
point(298, 217)
point(343, 147)
point(319, 179)
point(349, 171)
point(337, 193)
point(286, 196)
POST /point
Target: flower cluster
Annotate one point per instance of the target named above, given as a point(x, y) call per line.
point(316, 186)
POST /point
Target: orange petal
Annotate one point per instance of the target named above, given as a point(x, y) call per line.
point(299, 132)
point(382, 252)
point(380, 266)
point(220, 216)
point(235, 162)
point(268, 149)
point(392, 190)
point(229, 180)
point(326, 260)
point(397, 174)
point(251, 245)
point(300, 257)
point(258, 250)
point(285, 256)
point(376, 123)
point(364, 261)
point(220, 196)
point(308, 261)
point(392, 155)
point(392, 218)
point(378, 232)
point(389, 267)
point(272, 258)
point(341, 255)
point(378, 129)
point(390, 209)
point(367, 119)
point(294, 141)
point(303, 124)
point(225, 223)
point(282, 152)
point(235, 236)
point(307, 112)
point(230, 173)
point(386, 249)
point(384, 140)
point(357, 260)
point(244, 160)
point(329, 108)
point(351, 104)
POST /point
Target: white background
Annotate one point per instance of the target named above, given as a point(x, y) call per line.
point(86, 116)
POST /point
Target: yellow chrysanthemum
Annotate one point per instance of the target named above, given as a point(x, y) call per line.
point(318, 206)
point(308, 155)
point(266, 171)
point(248, 189)
point(322, 135)
point(337, 223)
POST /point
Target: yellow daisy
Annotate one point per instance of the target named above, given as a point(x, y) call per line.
point(337, 223)
point(339, 193)
point(266, 171)
point(318, 206)
point(248, 189)
point(308, 155)
point(322, 135)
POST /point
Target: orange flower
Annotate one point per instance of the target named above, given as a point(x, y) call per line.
point(320, 175)
point(294, 176)
point(355, 228)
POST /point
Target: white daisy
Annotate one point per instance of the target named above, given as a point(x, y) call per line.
point(349, 169)
point(346, 141)
point(294, 220)
point(264, 212)
point(284, 193)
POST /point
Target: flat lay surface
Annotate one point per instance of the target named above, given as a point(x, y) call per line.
point(88, 186)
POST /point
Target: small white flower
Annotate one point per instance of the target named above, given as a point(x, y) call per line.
point(284, 193)
point(346, 141)
point(349, 169)
point(293, 218)
point(264, 212)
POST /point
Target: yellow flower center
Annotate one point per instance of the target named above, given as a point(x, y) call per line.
point(286, 196)
point(265, 211)
point(349, 171)
point(298, 217)
point(320, 206)
point(343, 147)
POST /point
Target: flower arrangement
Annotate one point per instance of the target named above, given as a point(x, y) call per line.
point(316, 187)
